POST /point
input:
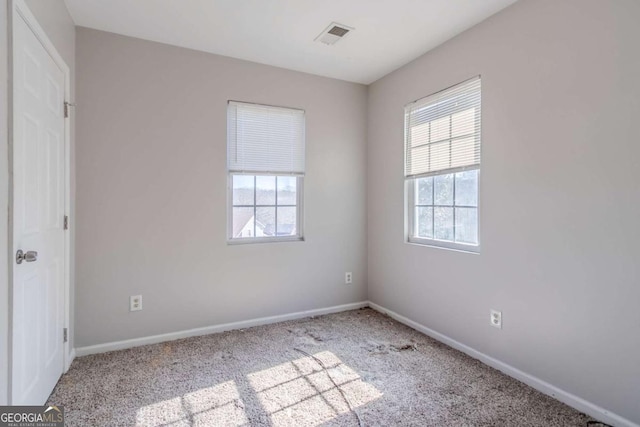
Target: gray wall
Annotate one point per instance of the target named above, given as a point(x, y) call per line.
point(152, 188)
point(559, 190)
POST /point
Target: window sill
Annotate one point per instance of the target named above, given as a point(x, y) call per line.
point(450, 246)
point(247, 241)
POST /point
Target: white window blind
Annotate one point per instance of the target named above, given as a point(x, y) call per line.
point(442, 131)
point(265, 139)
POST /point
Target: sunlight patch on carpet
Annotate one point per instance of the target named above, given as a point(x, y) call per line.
point(300, 392)
point(219, 405)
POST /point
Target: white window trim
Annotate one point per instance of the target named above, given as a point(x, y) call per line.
point(297, 170)
point(299, 237)
point(409, 202)
point(435, 243)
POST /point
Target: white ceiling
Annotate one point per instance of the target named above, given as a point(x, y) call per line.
point(387, 35)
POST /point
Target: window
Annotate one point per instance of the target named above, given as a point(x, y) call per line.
point(265, 162)
point(442, 167)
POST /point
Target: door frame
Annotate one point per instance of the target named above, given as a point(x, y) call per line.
point(20, 10)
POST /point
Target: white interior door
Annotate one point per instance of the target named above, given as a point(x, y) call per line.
point(38, 219)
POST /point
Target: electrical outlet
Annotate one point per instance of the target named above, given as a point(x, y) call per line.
point(348, 277)
point(496, 319)
point(135, 302)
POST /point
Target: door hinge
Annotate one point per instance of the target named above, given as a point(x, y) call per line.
point(66, 222)
point(66, 108)
point(65, 335)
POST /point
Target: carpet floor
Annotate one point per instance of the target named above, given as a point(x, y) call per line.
point(337, 370)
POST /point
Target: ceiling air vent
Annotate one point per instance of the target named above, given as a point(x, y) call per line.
point(333, 33)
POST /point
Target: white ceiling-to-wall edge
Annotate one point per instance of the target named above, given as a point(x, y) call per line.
point(387, 34)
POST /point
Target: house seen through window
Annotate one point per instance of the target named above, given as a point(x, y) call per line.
point(264, 206)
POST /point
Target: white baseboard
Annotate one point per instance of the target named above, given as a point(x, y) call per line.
point(154, 339)
point(572, 400)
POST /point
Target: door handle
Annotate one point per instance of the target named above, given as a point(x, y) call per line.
point(30, 256)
